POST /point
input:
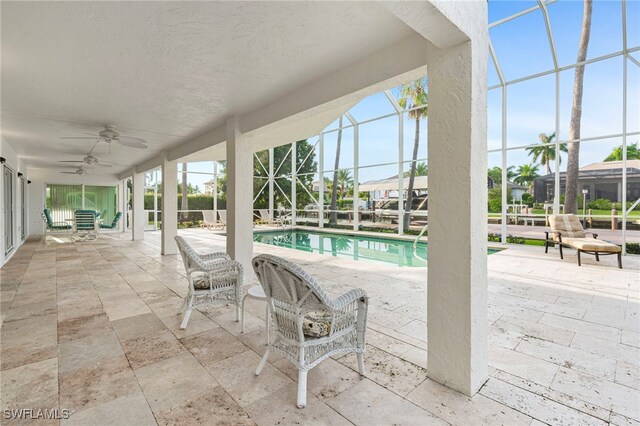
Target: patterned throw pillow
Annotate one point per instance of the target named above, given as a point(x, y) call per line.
point(316, 323)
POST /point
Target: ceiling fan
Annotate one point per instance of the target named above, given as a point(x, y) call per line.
point(80, 171)
point(110, 134)
point(89, 160)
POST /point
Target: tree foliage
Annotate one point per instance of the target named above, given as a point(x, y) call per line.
point(306, 167)
point(633, 153)
point(526, 174)
point(546, 151)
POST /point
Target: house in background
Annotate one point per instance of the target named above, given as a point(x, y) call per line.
point(601, 180)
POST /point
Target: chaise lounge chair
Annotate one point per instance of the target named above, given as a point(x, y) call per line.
point(267, 219)
point(568, 232)
point(210, 221)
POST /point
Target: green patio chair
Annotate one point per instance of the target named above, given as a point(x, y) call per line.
point(86, 221)
point(114, 224)
point(52, 226)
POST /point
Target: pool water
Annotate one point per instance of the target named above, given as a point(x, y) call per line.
point(357, 247)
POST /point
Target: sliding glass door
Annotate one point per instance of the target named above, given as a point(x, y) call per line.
point(103, 199)
point(63, 200)
point(23, 208)
point(9, 197)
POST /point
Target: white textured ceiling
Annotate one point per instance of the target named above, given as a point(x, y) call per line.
point(165, 71)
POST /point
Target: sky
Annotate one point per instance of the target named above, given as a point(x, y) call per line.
point(522, 48)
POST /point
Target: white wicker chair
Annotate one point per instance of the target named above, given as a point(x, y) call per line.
point(212, 278)
point(291, 295)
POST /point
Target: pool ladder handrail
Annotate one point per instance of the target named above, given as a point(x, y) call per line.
point(417, 240)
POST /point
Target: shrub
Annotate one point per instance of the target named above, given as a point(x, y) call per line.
point(600, 204)
point(633, 248)
point(494, 238)
point(527, 198)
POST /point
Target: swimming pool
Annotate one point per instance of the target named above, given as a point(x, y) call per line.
point(357, 247)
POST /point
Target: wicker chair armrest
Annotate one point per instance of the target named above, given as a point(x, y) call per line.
point(216, 255)
point(348, 298)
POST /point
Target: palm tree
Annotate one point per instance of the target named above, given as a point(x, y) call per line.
point(495, 173)
point(526, 174)
point(573, 160)
point(333, 216)
point(633, 153)
point(413, 95)
point(546, 151)
point(345, 180)
point(421, 170)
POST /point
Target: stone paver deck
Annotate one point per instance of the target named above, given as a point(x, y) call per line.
point(92, 328)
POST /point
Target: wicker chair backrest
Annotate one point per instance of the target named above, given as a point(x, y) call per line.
point(291, 293)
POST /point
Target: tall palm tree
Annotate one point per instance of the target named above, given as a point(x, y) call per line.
point(526, 174)
point(333, 216)
point(573, 157)
point(345, 180)
point(633, 153)
point(414, 95)
point(546, 151)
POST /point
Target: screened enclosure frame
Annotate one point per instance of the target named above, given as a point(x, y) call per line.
point(503, 85)
point(269, 175)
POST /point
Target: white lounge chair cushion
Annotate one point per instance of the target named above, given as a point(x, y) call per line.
point(316, 323)
point(567, 225)
point(591, 244)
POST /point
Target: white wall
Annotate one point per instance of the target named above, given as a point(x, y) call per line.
point(11, 160)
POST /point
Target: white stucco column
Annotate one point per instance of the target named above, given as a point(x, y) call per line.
point(239, 196)
point(138, 218)
point(169, 206)
point(457, 262)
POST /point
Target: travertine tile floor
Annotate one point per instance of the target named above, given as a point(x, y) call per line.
point(92, 328)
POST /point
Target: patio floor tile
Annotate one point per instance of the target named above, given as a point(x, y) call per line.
point(173, 380)
point(89, 386)
point(237, 376)
point(214, 406)
point(369, 403)
point(129, 409)
point(564, 346)
point(455, 407)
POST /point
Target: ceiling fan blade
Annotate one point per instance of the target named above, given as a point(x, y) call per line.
point(70, 173)
point(77, 137)
point(132, 138)
point(132, 144)
point(102, 165)
point(71, 161)
point(92, 134)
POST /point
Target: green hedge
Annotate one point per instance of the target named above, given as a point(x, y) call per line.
point(633, 248)
point(196, 202)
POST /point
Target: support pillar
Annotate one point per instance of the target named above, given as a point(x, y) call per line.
point(457, 264)
point(239, 197)
point(138, 218)
point(169, 227)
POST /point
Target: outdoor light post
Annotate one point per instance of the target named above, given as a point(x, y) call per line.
point(584, 207)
